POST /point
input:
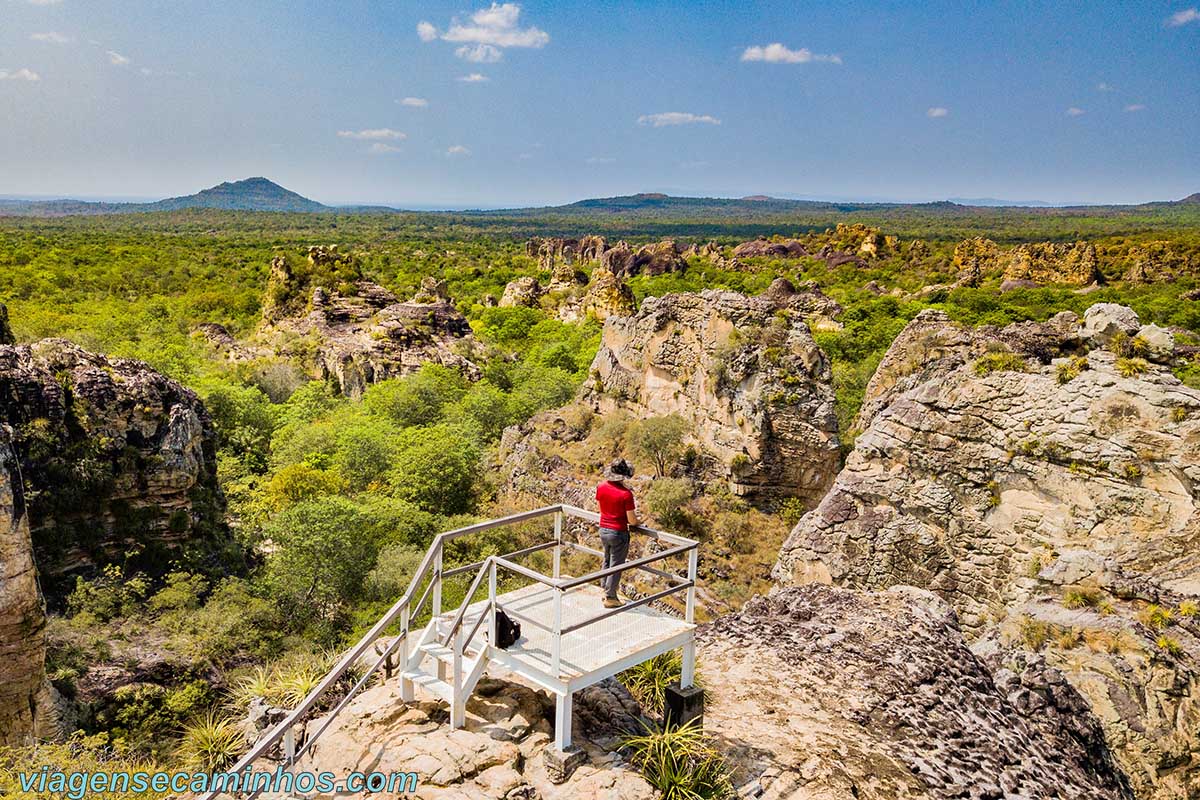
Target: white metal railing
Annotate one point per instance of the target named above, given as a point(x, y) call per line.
point(405, 611)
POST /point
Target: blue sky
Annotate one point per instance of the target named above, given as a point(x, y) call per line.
point(1080, 101)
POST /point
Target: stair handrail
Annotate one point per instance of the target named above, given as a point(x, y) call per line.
point(399, 610)
point(462, 609)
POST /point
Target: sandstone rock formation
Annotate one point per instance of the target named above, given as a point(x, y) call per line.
point(972, 258)
point(606, 296)
point(560, 255)
point(991, 456)
point(523, 292)
point(786, 248)
point(819, 692)
point(23, 687)
point(356, 332)
point(1159, 261)
point(119, 463)
point(1050, 262)
point(744, 371)
point(497, 756)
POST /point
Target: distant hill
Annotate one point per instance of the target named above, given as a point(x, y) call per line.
point(1191, 198)
point(251, 194)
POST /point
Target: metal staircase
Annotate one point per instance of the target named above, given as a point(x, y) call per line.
point(448, 655)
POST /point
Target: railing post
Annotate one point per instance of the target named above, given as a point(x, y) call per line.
point(437, 586)
point(491, 607)
point(693, 562)
point(406, 686)
point(558, 529)
point(556, 647)
point(458, 703)
point(289, 746)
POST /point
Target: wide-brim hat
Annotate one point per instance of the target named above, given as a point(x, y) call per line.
point(619, 470)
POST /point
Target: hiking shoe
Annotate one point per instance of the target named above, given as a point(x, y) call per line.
point(612, 602)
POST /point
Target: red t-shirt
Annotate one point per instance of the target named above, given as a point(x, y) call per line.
point(614, 501)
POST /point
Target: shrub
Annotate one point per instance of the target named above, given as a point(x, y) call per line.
point(999, 362)
point(417, 399)
point(648, 681)
point(211, 743)
point(659, 440)
point(1071, 369)
point(1069, 638)
point(1131, 472)
point(1082, 597)
point(1169, 646)
point(1132, 367)
point(1179, 413)
point(1156, 617)
point(183, 590)
point(1035, 633)
point(393, 571)
point(80, 753)
point(107, 596)
point(667, 500)
point(736, 530)
point(1188, 609)
point(791, 511)
point(681, 764)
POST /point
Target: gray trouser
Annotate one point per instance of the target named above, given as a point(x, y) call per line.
point(616, 548)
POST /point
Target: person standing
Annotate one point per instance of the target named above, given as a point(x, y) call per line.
point(617, 512)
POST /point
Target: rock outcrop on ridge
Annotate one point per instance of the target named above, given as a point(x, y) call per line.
point(1045, 486)
point(23, 687)
point(118, 464)
point(820, 692)
point(352, 331)
point(744, 371)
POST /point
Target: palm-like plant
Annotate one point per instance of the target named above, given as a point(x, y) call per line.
point(681, 764)
point(211, 743)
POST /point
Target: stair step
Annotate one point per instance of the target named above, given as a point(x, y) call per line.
point(431, 684)
point(438, 651)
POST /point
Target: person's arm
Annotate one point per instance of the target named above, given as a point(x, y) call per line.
point(631, 513)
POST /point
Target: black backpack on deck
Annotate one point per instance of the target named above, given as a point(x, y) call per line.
point(507, 630)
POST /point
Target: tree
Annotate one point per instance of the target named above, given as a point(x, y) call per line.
point(323, 552)
point(437, 469)
point(659, 439)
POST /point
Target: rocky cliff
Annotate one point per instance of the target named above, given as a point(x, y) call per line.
point(818, 692)
point(118, 461)
point(1041, 478)
point(23, 687)
point(352, 331)
point(744, 371)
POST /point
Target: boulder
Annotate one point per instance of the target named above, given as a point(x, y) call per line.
point(786, 248)
point(744, 371)
point(1159, 342)
point(657, 259)
point(523, 292)
point(822, 692)
point(1103, 321)
point(973, 258)
point(118, 461)
point(607, 296)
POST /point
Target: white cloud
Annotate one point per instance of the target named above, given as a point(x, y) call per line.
point(777, 53)
point(382, 149)
point(457, 150)
point(1134, 107)
point(43, 2)
point(600, 160)
point(479, 53)
point(676, 118)
point(1105, 87)
point(1183, 17)
point(524, 156)
point(426, 31)
point(117, 59)
point(936, 112)
point(474, 77)
point(1073, 111)
point(22, 74)
point(486, 33)
point(414, 102)
point(51, 37)
point(373, 134)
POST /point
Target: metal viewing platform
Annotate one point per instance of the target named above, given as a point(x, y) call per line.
point(569, 640)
